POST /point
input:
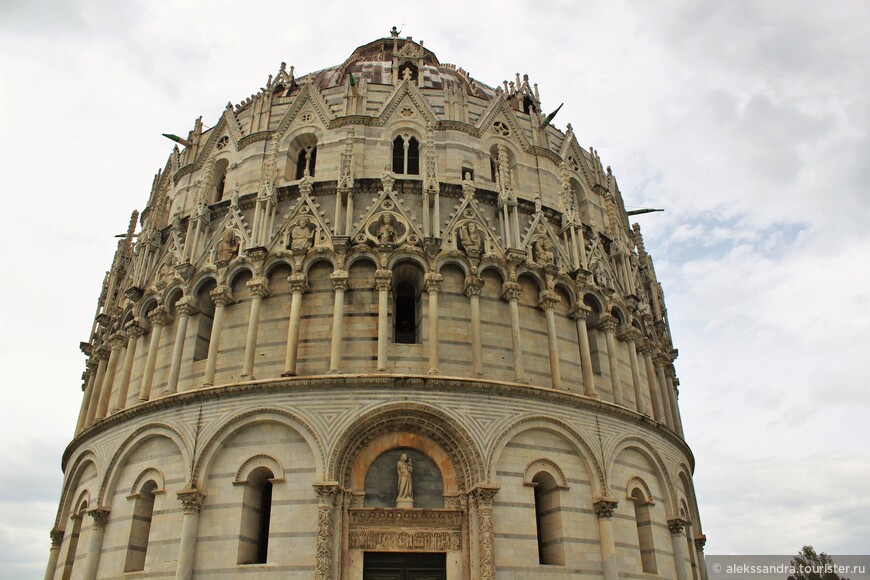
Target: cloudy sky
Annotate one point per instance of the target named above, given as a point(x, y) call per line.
point(746, 121)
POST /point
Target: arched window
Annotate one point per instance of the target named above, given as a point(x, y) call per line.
point(307, 159)
point(256, 514)
point(548, 520)
point(405, 314)
point(140, 529)
point(220, 179)
point(643, 520)
point(406, 155)
point(204, 322)
point(74, 541)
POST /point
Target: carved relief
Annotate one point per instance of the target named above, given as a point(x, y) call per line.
point(429, 541)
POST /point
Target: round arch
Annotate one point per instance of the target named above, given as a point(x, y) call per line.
point(641, 446)
point(67, 501)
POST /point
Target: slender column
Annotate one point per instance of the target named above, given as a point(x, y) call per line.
point(579, 313)
point(297, 287)
point(433, 285)
point(515, 222)
point(56, 541)
point(382, 284)
point(629, 337)
point(158, 318)
point(549, 301)
point(604, 510)
point(102, 356)
point(221, 296)
point(676, 526)
point(324, 566)
point(608, 324)
point(647, 348)
point(473, 288)
point(191, 502)
point(672, 381)
point(700, 541)
point(511, 292)
point(660, 362)
point(483, 497)
point(87, 396)
point(259, 289)
point(183, 309)
point(109, 378)
point(95, 546)
point(339, 284)
point(134, 331)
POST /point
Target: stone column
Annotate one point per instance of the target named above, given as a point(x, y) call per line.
point(433, 286)
point(647, 348)
point(297, 288)
point(678, 539)
point(383, 280)
point(324, 563)
point(672, 382)
point(259, 289)
point(483, 497)
point(158, 318)
point(629, 336)
point(511, 291)
point(87, 396)
point(183, 309)
point(95, 546)
point(473, 288)
point(221, 296)
point(109, 378)
point(191, 502)
point(660, 362)
point(134, 331)
point(56, 541)
point(604, 510)
point(579, 314)
point(700, 542)
point(102, 356)
point(339, 284)
point(608, 324)
point(549, 301)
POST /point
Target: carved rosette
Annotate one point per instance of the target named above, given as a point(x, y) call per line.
point(101, 517)
point(326, 494)
point(191, 500)
point(604, 508)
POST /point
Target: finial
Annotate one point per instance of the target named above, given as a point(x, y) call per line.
point(394, 32)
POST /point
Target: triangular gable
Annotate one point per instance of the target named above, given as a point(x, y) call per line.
point(233, 221)
point(575, 159)
point(499, 110)
point(305, 206)
point(309, 94)
point(599, 262)
point(539, 228)
point(407, 92)
point(374, 221)
point(469, 212)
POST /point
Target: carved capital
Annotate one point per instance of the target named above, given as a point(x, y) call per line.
point(646, 347)
point(134, 329)
point(473, 286)
point(484, 495)
point(630, 334)
point(191, 500)
point(604, 507)
point(433, 283)
point(326, 493)
point(549, 300)
point(383, 280)
point(339, 280)
point(580, 312)
point(101, 517)
point(56, 537)
point(221, 296)
point(118, 340)
point(159, 316)
point(259, 287)
point(677, 525)
point(102, 352)
point(607, 323)
point(297, 283)
point(700, 542)
point(186, 306)
point(511, 291)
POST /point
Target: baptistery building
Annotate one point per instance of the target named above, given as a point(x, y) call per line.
point(380, 321)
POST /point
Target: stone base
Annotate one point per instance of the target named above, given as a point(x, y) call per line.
point(405, 503)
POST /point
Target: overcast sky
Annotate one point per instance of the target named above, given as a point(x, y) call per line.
point(746, 121)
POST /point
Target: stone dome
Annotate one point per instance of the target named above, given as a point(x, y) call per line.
point(380, 319)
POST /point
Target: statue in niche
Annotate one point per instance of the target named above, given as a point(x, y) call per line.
point(167, 271)
point(227, 248)
point(302, 235)
point(405, 487)
point(470, 237)
point(386, 231)
point(545, 253)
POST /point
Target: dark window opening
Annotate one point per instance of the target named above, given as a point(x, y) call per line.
point(398, 155)
point(307, 159)
point(256, 517)
point(405, 314)
point(406, 156)
point(467, 171)
point(263, 528)
point(413, 165)
point(492, 170)
point(219, 188)
point(528, 104)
